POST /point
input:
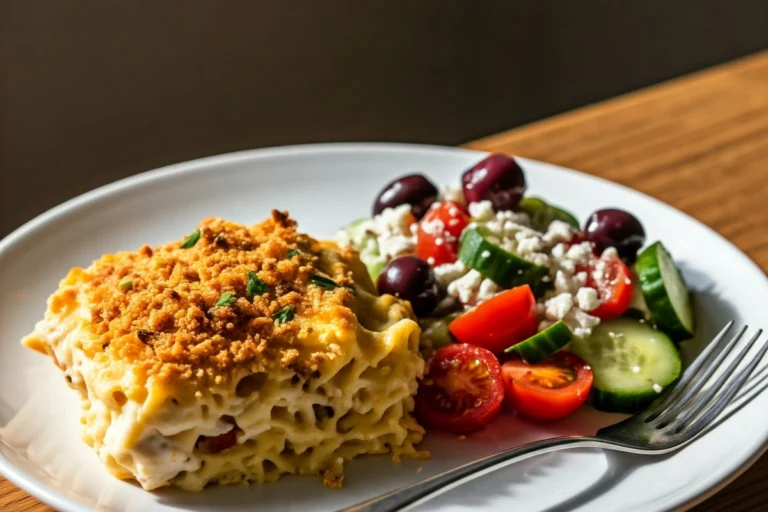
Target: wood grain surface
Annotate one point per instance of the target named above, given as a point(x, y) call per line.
point(699, 143)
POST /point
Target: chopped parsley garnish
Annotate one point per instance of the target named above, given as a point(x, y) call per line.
point(191, 239)
point(323, 282)
point(255, 286)
point(285, 314)
point(226, 299)
point(292, 253)
point(126, 284)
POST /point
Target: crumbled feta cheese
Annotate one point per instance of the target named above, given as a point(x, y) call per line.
point(580, 322)
point(657, 388)
point(481, 211)
point(558, 306)
point(394, 221)
point(610, 253)
point(539, 258)
point(448, 272)
point(558, 231)
point(465, 288)
point(587, 299)
point(580, 253)
point(452, 193)
point(487, 290)
point(519, 218)
point(527, 244)
point(563, 283)
point(389, 233)
point(472, 289)
point(567, 266)
point(433, 227)
point(598, 274)
point(559, 251)
point(391, 246)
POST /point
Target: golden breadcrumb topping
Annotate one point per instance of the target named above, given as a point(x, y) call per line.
point(227, 296)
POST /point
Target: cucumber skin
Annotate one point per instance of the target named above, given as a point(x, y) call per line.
point(656, 295)
point(543, 344)
point(470, 251)
point(622, 402)
point(607, 401)
point(612, 402)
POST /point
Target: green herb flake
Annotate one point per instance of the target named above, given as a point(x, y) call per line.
point(292, 253)
point(126, 284)
point(191, 239)
point(323, 282)
point(226, 299)
point(255, 286)
point(285, 314)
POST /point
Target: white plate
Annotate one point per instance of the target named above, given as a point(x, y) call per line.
point(324, 187)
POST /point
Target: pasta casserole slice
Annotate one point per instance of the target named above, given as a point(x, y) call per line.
point(238, 354)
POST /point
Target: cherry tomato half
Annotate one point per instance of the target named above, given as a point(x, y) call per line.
point(613, 281)
point(437, 241)
point(462, 390)
point(500, 322)
point(549, 390)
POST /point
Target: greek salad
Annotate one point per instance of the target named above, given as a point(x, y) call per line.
point(521, 305)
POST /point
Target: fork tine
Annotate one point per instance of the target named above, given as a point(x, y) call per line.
point(725, 398)
point(690, 373)
point(698, 403)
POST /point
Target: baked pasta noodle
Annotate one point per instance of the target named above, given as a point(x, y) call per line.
point(189, 376)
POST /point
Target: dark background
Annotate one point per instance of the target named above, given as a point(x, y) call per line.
point(93, 90)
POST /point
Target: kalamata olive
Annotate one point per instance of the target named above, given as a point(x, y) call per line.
point(414, 189)
point(497, 179)
point(411, 278)
point(612, 227)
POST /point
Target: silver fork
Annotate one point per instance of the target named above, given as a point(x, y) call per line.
point(682, 412)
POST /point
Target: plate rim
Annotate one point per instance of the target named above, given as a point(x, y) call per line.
point(50, 496)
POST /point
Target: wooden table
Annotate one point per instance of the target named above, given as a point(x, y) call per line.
point(699, 143)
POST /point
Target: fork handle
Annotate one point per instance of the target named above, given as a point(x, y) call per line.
point(419, 492)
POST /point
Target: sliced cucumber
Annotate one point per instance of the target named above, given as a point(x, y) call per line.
point(543, 344)
point(632, 363)
point(368, 247)
point(542, 213)
point(665, 292)
point(498, 265)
